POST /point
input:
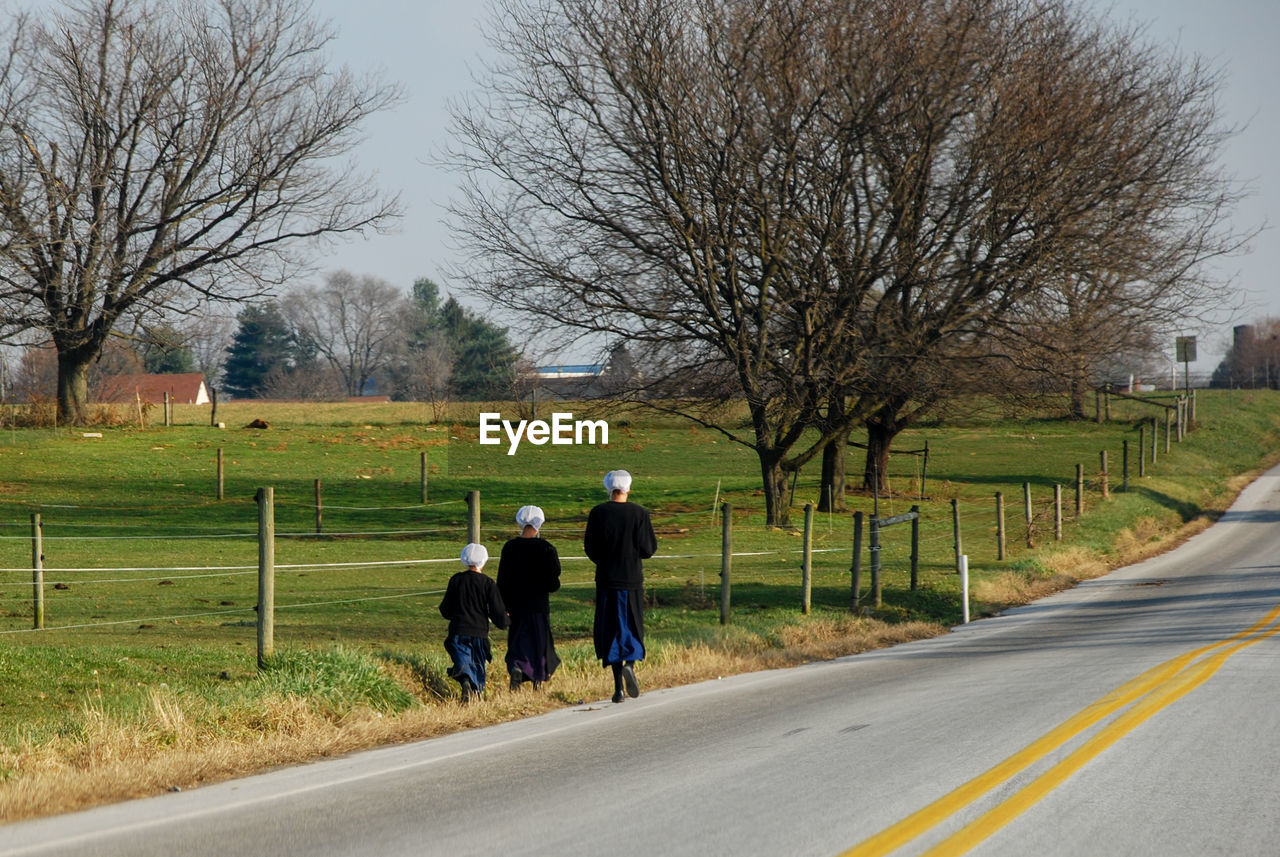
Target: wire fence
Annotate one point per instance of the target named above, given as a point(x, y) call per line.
point(384, 565)
point(376, 568)
point(360, 569)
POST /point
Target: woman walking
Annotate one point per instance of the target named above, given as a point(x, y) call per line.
point(528, 572)
point(619, 535)
point(470, 603)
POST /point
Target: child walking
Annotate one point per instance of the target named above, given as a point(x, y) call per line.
point(470, 602)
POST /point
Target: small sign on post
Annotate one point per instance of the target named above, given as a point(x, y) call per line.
point(1185, 352)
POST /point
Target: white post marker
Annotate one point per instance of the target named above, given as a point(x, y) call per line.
point(964, 586)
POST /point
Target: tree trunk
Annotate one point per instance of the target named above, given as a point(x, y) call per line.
point(881, 430)
point(1078, 387)
point(1077, 392)
point(73, 386)
point(833, 475)
point(777, 508)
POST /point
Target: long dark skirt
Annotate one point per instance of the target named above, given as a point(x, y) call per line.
point(530, 649)
point(619, 626)
point(470, 658)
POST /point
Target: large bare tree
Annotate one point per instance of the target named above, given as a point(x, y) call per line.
point(354, 322)
point(645, 171)
point(155, 156)
point(819, 205)
point(1063, 193)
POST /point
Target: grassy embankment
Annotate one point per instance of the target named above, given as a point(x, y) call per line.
point(145, 676)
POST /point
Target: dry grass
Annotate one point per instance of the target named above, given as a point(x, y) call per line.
point(181, 743)
point(1061, 569)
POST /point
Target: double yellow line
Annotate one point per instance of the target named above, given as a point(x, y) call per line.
point(1152, 691)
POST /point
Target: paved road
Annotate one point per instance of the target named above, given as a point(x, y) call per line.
point(1134, 715)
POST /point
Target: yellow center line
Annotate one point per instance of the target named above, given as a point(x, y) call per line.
point(925, 819)
point(985, 825)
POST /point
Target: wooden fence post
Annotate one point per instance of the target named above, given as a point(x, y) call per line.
point(220, 473)
point(915, 548)
point(319, 508)
point(924, 469)
point(473, 517)
point(999, 525)
point(1168, 427)
point(855, 569)
point(955, 529)
point(1124, 467)
point(266, 575)
point(1079, 490)
point(168, 409)
point(806, 567)
point(37, 570)
point(873, 548)
point(424, 478)
point(1027, 515)
point(1105, 490)
point(726, 560)
point(1057, 511)
point(213, 409)
point(1142, 451)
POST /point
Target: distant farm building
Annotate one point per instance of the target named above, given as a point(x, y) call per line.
point(568, 381)
point(184, 389)
point(583, 380)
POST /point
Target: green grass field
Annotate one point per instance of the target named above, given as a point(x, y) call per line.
point(151, 581)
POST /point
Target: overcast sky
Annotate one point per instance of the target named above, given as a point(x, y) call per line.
point(431, 47)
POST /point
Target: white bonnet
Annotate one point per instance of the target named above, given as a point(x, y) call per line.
point(617, 480)
point(531, 516)
point(474, 554)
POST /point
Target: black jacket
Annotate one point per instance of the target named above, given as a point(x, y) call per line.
point(528, 572)
point(470, 602)
point(618, 537)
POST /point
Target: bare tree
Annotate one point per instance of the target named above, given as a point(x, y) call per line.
point(645, 170)
point(1156, 135)
point(424, 374)
point(818, 205)
point(1052, 170)
point(317, 382)
point(156, 156)
point(354, 323)
point(208, 335)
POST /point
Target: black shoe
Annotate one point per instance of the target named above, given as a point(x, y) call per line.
point(537, 685)
point(629, 679)
point(517, 679)
point(617, 695)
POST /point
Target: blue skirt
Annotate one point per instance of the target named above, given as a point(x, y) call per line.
point(619, 631)
point(470, 658)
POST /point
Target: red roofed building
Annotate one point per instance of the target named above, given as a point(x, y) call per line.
point(184, 389)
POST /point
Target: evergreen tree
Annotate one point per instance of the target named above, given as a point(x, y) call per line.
point(262, 343)
point(165, 353)
point(483, 358)
point(480, 356)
